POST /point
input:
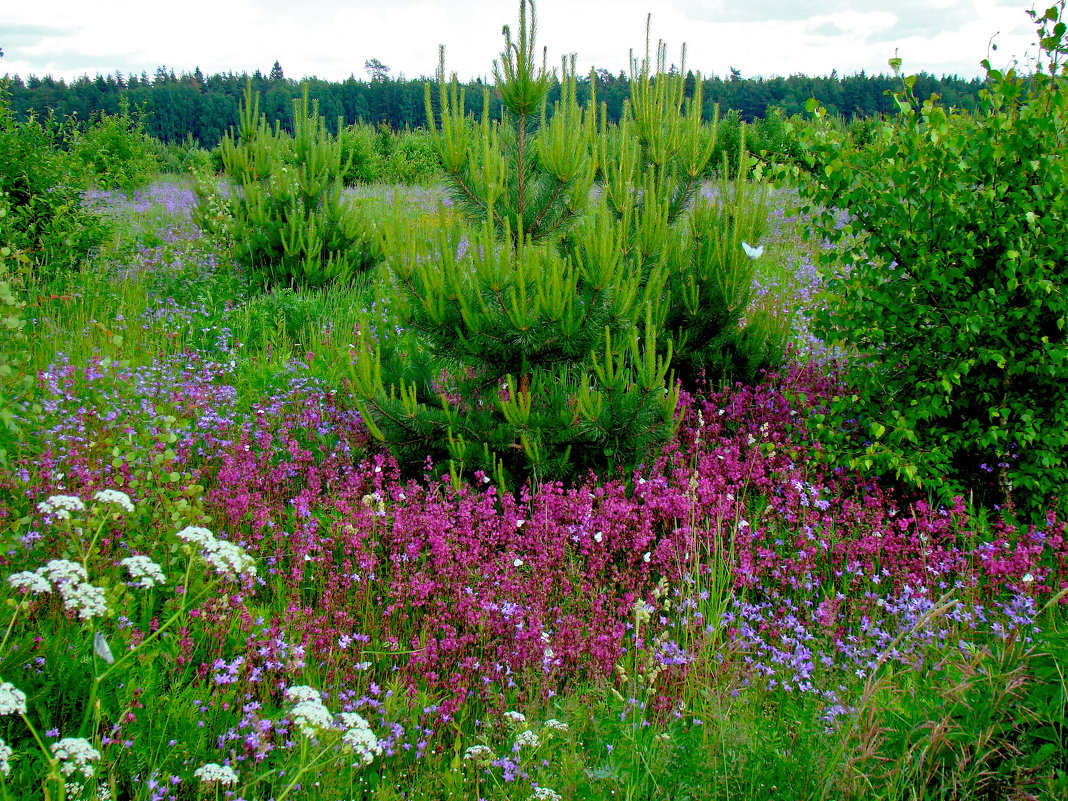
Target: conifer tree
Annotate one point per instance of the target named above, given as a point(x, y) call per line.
point(290, 223)
point(532, 339)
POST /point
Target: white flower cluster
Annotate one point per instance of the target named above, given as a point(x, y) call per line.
point(5, 755)
point(145, 573)
point(301, 692)
point(214, 773)
point(60, 570)
point(311, 716)
point(358, 736)
point(554, 724)
point(75, 754)
point(515, 717)
point(115, 497)
point(225, 557)
point(526, 739)
point(545, 794)
point(86, 599)
point(309, 712)
point(12, 700)
point(70, 579)
point(60, 506)
point(30, 581)
point(481, 754)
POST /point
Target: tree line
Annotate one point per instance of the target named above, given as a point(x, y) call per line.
point(192, 105)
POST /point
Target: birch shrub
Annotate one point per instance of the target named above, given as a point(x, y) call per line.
point(955, 293)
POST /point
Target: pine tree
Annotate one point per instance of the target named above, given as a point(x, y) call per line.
point(532, 341)
point(290, 223)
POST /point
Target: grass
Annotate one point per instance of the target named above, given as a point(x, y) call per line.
point(738, 621)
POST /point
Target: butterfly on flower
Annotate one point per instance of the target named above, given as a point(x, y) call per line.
point(753, 252)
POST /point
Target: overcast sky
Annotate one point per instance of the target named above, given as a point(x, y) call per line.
point(333, 38)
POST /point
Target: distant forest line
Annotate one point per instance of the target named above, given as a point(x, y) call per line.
point(176, 107)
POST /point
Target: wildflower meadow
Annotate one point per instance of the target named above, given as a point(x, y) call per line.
point(580, 473)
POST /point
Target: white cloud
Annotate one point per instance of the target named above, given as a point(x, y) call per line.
point(332, 39)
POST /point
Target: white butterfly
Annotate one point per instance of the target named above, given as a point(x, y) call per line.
point(100, 645)
point(753, 252)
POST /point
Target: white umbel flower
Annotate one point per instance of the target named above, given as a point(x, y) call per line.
point(545, 794)
point(144, 572)
point(86, 599)
point(60, 506)
point(60, 570)
point(352, 720)
point(480, 754)
point(311, 717)
point(230, 560)
point(197, 535)
point(75, 754)
point(227, 558)
point(5, 756)
point(526, 739)
point(115, 497)
point(301, 692)
point(31, 582)
point(359, 737)
point(515, 717)
point(214, 773)
point(12, 700)
point(556, 725)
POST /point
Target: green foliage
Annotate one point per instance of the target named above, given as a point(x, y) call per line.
point(709, 316)
point(689, 237)
point(116, 152)
point(955, 293)
point(412, 160)
point(358, 154)
point(378, 154)
point(181, 158)
point(16, 383)
point(518, 360)
point(510, 364)
point(529, 173)
point(40, 188)
point(534, 345)
point(982, 726)
point(289, 223)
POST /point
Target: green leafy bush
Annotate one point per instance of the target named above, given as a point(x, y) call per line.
point(358, 154)
point(181, 158)
point(41, 186)
point(955, 292)
point(16, 382)
point(285, 213)
point(412, 160)
point(116, 152)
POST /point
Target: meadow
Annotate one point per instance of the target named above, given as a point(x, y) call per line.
point(220, 582)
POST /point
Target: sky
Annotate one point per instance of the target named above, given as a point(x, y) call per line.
point(332, 39)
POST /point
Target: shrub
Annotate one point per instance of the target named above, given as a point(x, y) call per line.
point(358, 154)
point(41, 187)
point(180, 158)
point(412, 160)
point(955, 294)
point(15, 381)
point(116, 152)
